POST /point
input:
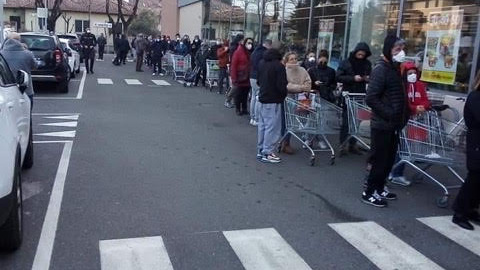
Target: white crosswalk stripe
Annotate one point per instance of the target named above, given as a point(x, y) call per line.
point(264, 249)
point(133, 82)
point(61, 124)
point(147, 253)
point(383, 248)
point(444, 225)
point(161, 82)
point(65, 134)
point(104, 81)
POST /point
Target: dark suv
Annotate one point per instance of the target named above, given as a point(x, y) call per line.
point(52, 65)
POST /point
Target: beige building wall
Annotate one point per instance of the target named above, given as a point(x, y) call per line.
point(190, 19)
point(169, 18)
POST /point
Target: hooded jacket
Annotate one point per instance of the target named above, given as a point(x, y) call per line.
point(471, 114)
point(387, 97)
point(352, 66)
point(240, 67)
point(256, 57)
point(416, 92)
point(19, 59)
point(325, 75)
point(272, 78)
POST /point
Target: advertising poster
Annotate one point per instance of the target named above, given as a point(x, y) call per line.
point(325, 36)
point(441, 46)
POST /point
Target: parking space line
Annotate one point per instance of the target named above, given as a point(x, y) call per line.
point(43, 254)
point(82, 84)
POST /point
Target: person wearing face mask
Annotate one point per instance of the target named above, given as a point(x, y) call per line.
point(353, 73)
point(309, 61)
point(181, 48)
point(88, 42)
point(194, 49)
point(387, 98)
point(418, 103)
point(201, 61)
point(240, 73)
point(157, 54)
point(323, 77)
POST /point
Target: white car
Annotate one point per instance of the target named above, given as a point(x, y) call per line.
point(72, 56)
point(16, 151)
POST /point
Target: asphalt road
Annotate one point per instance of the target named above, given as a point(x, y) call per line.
point(165, 160)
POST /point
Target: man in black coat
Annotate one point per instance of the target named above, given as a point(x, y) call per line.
point(354, 74)
point(88, 42)
point(101, 41)
point(387, 98)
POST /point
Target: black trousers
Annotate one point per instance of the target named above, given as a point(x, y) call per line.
point(384, 145)
point(101, 50)
point(241, 98)
point(223, 77)
point(89, 56)
point(139, 61)
point(203, 74)
point(468, 199)
point(157, 65)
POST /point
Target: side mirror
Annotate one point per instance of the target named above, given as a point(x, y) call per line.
point(23, 80)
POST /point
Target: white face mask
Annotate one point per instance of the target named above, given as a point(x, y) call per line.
point(311, 59)
point(248, 46)
point(412, 78)
point(399, 57)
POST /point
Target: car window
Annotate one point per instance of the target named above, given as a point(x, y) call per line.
point(5, 73)
point(39, 43)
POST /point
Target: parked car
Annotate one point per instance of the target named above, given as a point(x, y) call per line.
point(74, 43)
point(72, 56)
point(52, 65)
point(16, 151)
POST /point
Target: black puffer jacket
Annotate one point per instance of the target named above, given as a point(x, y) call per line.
point(387, 97)
point(350, 67)
point(272, 78)
point(472, 120)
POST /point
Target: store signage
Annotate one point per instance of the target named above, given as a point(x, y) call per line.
point(42, 12)
point(325, 36)
point(441, 46)
point(102, 25)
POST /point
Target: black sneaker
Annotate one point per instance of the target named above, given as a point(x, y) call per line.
point(387, 195)
point(373, 200)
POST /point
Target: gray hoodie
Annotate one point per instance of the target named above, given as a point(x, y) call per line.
point(19, 59)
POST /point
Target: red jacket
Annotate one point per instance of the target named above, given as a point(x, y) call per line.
point(416, 92)
point(222, 55)
point(240, 67)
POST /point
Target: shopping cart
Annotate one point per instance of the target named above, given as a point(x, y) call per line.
point(359, 115)
point(425, 140)
point(213, 73)
point(167, 64)
point(317, 118)
point(180, 64)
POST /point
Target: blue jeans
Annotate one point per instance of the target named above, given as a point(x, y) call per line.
point(398, 171)
point(269, 127)
point(253, 100)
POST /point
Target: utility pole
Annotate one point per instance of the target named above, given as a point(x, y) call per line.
point(1, 20)
point(283, 20)
point(309, 25)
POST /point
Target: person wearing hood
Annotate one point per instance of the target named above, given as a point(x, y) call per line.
point(354, 74)
point(201, 61)
point(19, 58)
point(272, 79)
point(468, 199)
point(255, 58)
point(418, 103)
point(240, 73)
point(309, 61)
point(387, 98)
point(323, 77)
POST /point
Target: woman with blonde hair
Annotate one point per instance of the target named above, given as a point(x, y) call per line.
point(468, 199)
point(299, 84)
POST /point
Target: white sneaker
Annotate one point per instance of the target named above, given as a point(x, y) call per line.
point(253, 122)
point(153, 74)
point(322, 144)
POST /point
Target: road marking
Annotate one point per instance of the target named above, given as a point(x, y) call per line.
point(66, 134)
point(180, 81)
point(30, 189)
point(133, 82)
point(161, 82)
point(61, 124)
point(64, 114)
point(104, 81)
point(43, 254)
point(63, 117)
point(444, 225)
point(134, 253)
point(82, 84)
point(264, 249)
point(51, 141)
point(381, 247)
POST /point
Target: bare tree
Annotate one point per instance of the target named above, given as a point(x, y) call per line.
point(67, 20)
point(121, 17)
point(54, 12)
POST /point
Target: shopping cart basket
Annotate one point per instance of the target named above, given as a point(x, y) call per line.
point(167, 64)
point(213, 73)
point(317, 119)
point(359, 115)
point(180, 64)
point(426, 140)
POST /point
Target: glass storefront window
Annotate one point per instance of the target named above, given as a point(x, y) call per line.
point(449, 56)
point(296, 22)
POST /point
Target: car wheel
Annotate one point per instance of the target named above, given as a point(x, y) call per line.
point(28, 159)
point(11, 232)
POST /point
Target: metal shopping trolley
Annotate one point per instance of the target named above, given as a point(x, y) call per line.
point(425, 139)
point(316, 118)
point(167, 64)
point(180, 64)
point(213, 73)
point(359, 115)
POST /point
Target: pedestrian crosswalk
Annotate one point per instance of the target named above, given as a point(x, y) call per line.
point(266, 249)
point(134, 82)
